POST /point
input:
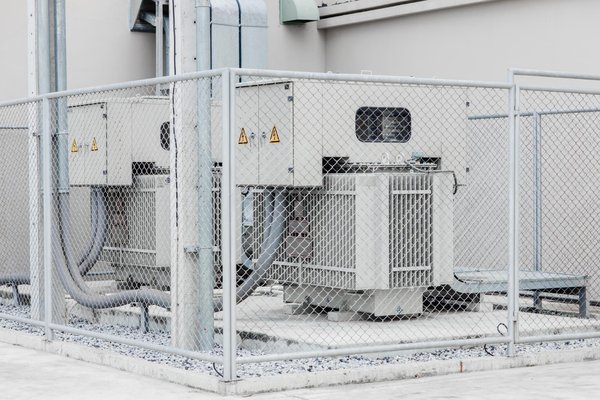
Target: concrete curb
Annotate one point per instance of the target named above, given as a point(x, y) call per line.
point(118, 361)
point(404, 371)
point(293, 381)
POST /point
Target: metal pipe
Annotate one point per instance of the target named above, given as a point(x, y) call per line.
point(116, 339)
point(553, 74)
point(205, 185)
point(47, 219)
point(228, 234)
point(43, 46)
point(159, 40)
point(167, 68)
point(555, 89)
point(559, 337)
point(135, 343)
point(368, 349)
point(513, 221)
point(60, 55)
point(368, 78)
point(16, 278)
point(531, 114)
point(537, 201)
point(263, 73)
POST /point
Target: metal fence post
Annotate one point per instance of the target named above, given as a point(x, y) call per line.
point(537, 201)
point(513, 217)
point(47, 211)
point(228, 230)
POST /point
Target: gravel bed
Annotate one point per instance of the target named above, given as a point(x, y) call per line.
point(269, 368)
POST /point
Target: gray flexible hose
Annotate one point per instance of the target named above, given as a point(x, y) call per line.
point(74, 284)
point(99, 301)
point(100, 229)
point(274, 226)
point(64, 241)
point(94, 227)
point(94, 250)
point(77, 288)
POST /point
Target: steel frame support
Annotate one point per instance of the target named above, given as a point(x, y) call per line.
point(537, 201)
point(47, 209)
point(228, 227)
point(513, 217)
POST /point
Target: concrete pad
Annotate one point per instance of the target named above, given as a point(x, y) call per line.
point(264, 316)
point(28, 374)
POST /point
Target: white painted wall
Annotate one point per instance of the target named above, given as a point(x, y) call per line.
point(13, 50)
point(472, 42)
point(294, 47)
point(100, 47)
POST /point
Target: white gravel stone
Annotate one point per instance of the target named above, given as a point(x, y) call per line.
point(268, 368)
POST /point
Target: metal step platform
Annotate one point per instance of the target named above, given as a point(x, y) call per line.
point(479, 281)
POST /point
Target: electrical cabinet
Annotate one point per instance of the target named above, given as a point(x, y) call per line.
point(107, 137)
point(273, 147)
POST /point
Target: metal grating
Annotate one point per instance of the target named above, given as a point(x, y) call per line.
point(411, 233)
point(328, 246)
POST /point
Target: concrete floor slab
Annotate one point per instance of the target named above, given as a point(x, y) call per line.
point(264, 316)
point(27, 374)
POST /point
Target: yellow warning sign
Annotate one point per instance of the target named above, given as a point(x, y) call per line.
point(74, 146)
point(94, 145)
point(243, 137)
point(274, 136)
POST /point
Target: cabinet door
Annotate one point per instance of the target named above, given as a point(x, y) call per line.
point(276, 139)
point(246, 131)
point(87, 144)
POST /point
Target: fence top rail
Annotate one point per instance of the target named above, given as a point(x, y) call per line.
point(326, 77)
point(263, 73)
point(553, 74)
point(116, 86)
point(555, 89)
point(329, 76)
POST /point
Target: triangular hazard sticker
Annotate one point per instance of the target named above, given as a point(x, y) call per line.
point(94, 145)
point(243, 137)
point(74, 146)
point(274, 136)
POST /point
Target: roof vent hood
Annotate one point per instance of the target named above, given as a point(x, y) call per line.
point(298, 11)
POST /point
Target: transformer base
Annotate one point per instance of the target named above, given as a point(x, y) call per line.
point(374, 303)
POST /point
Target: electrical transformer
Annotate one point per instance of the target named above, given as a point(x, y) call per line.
point(368, 188)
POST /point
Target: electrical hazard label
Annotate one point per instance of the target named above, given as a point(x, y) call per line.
point(243, 137)
point(74, 146)
point(274, 136)
point(94, 146)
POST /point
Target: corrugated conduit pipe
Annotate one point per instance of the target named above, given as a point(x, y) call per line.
point(273, 228)
point(73, 282)
point(90, 255)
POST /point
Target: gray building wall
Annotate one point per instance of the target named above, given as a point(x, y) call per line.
point(479, 41)
point(294, 47)
point(13, 50)
point(100, 47)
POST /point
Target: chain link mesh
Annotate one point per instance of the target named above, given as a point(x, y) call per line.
point(366, 213)
point(558, 135)
point(372, 198)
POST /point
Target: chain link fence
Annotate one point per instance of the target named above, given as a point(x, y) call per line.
point(247, 223)
point(558, 164)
